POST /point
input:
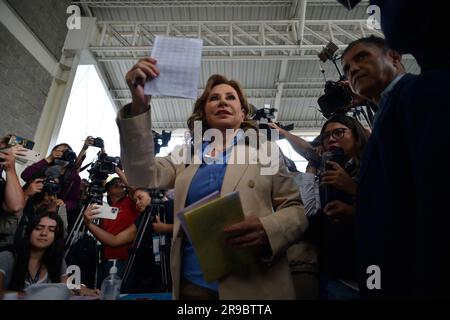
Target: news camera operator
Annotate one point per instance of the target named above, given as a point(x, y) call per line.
point(59, 166)
point(12, 198)
point(274, 217)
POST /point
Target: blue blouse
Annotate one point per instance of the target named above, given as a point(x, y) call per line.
point(207, 179)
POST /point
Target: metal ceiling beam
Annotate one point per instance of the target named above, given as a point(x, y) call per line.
point(277, 57)
point(202, 3)
point(235, 40)
point(131, 59)
point(197, 3)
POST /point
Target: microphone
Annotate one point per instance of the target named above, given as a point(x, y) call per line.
point(336, 155)
point(53, 171)
point(330, 193)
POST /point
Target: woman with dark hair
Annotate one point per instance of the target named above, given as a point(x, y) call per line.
point(38, 257)
point(274, 217)
point(332, 214)
point(145, 276)
point(143, 201)
point(59, 164)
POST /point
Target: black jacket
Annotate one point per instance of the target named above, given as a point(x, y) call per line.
point(403, 215)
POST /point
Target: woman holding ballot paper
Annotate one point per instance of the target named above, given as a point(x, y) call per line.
point(224, 156)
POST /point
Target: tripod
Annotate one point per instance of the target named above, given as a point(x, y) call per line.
point(81, 245)
point(160, 245)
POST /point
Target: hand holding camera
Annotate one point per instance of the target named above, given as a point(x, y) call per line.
point(35, 187)
point(88, 142)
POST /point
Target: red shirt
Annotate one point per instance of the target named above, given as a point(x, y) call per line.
point(126, 217)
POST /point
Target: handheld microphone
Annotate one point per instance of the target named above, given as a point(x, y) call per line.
point(330, 193)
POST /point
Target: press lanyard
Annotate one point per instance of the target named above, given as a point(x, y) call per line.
point(36, 277)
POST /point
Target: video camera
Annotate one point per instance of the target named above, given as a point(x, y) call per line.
point(68, 156)
point(51, 186)
point(100, 169)
point(338, 96)
point(161, 140)
point(264, 116)
point(98, 142)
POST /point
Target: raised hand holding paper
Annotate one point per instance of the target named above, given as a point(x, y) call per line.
point(179, 62)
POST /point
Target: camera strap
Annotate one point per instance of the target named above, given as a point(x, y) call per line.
point(86, 166)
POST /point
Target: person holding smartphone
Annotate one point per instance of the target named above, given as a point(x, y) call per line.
point(11, 195)
point(118, 198)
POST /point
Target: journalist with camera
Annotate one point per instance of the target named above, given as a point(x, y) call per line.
point(58, 169)
point(98, 174)
point(118, 197)
point(145, 263)
point(338, 97)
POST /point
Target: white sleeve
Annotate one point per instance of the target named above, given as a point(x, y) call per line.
point(309, 191)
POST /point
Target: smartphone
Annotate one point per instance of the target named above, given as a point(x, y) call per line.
point(14, 140)
point(29, 155)
point(106, 212)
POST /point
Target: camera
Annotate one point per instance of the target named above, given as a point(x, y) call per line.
point(338, 95)
point(95, 192)
point(51, 186)
point(14, 140)
point(161, 140)
point(102, 167)
point(98, 142)
point(337, 99)
point(68, 156)
point(267, 114)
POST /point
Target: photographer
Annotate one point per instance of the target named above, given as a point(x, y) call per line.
point(89, 142)
point(145, 263)
point(128, 213)
point(59, 165)
point(11, 194)
point(40, 196)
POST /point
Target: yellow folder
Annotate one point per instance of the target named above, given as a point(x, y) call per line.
point(205, 226)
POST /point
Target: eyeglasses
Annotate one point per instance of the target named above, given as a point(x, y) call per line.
point(336, 134)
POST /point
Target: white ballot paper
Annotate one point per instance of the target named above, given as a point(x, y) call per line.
point(178, 60)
